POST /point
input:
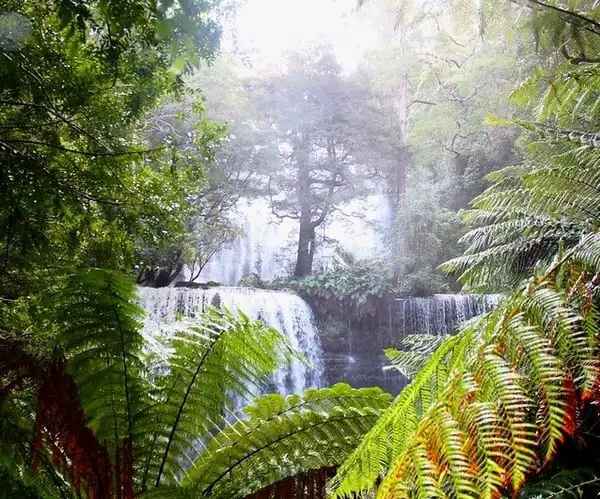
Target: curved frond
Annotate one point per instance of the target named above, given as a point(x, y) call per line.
point(99, 333)
point(389, 436)
point(217, 361)
point(502, 411)
point(416, 349)
point(281, 437)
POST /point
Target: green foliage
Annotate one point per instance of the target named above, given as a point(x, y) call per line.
point(79, 182)
point(354, 290)
point(492, 406)
point(165, 427)
point(227, 358)
point(551, 198)
point(16, 456)
point(415, 350)
point(423, 234)
point(532, 209)
point(494, 403)
point(283, 436)
point(98, 327)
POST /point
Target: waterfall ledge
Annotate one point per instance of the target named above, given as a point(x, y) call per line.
point(286, 312)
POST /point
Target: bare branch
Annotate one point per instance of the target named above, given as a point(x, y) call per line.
point(272, 203)
point(419, 101)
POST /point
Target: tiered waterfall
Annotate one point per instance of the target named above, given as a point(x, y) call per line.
point(286, 312)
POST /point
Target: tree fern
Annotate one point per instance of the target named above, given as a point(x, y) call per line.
point(279, 437)
point(509, 398)
point(99, 333)
point(104, 424)
point(214, 365)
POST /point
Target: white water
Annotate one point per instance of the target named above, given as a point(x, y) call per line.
point(441, 314)
point(286, 312)
point(268, 244)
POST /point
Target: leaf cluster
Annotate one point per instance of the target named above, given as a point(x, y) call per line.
point(79, 182)
point(356, 290)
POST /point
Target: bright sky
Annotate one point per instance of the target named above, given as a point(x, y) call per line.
point(271, 27)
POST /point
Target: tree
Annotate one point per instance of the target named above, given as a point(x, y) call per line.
point(105, 422)
point(550, 199)
point(439, 78)
point(231, 169)
point(319, 122)
point(79, 182)
point(512, 397)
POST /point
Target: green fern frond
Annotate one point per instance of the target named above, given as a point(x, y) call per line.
point(417, 348)
point(99, 333)
point(527, 213)
point(512, 387)
point(281, 436)
point(219, 360)
point(389, 436)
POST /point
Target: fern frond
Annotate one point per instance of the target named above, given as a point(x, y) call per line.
point(416, 350)
point(281, 436)
point(526, 215)
point(501, 412)
point(219, 360)
point(99, 333)
point(389, 436)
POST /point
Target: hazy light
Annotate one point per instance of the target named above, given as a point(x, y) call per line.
point(266, 29)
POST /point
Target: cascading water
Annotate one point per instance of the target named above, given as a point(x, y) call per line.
point(356, 355)
point(439, 314)
point(267, 246)
point(286, 312)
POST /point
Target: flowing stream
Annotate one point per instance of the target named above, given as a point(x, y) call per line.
point(286, 312)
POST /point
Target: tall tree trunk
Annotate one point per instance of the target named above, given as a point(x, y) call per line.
point(306, 236)
point(306, 248)
point(401, 167)
point(400, 176)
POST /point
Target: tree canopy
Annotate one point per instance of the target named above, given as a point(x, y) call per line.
point(113, 160)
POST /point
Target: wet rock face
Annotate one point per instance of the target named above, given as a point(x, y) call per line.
point(353, 353)
point(353, 349)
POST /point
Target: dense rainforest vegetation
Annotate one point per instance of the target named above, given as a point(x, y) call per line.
point(128, 139)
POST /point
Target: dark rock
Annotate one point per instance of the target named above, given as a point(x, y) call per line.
point(197, 285)
point(353, 348)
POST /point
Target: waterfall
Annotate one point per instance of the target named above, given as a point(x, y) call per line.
point(286, 312)
point(267, 246)
point(440, 314)
point(355, 354)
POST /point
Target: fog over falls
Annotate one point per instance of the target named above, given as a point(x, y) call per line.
point(266, 246)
